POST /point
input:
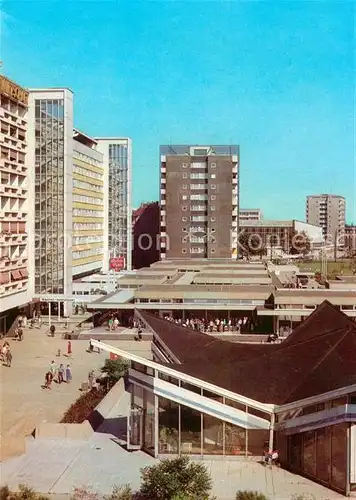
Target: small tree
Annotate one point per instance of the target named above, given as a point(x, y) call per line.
point(176, 478)
point(114, 369)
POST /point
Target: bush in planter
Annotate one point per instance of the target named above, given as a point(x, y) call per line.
point(80, 410)
point(114, 369)
point(250, 495)
point(176, 478)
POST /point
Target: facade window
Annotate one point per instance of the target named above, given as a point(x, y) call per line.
point(213, 229)
point(185, 175)
point(185, 186)
point(213, 176)
point(184, 208)
point(184, 197)
point(184, 250)
point(185, 165)
point(212, 250)
point(184, 219)
point(213, 186)
point(213, 197)
point(212, 219)
point(213, 208)
point(213, 165)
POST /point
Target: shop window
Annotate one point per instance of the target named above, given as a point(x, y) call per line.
point(167, 378)
point(191, 423)
point(213, 396)
point(192, 388)
point(235, 440)
point(335, 403)
point(168, 425)
point(309, 453)
point(235, 404)
point(339, 455)
point(258, 413)
point(213, 436)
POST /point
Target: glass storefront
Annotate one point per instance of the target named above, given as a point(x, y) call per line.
point(187, 431)
point(321, 454)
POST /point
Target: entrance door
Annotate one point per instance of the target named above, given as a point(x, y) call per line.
point(135, 429)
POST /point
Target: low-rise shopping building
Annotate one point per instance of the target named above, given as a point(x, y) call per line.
point(205, 397)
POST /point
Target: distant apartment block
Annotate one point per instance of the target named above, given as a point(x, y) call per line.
point(328, 212)
point(350, 237)
point(14, 194)
point(199, 200)
point(248, 215)
point(88, 206)
point(278, 234)
point(145, 235)
point(117, 155)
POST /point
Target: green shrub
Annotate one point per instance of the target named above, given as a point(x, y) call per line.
point(24, 493)
point(250, 495)
point(84, 493)
point(114, 369)
point(172, 478)
point(120, 493)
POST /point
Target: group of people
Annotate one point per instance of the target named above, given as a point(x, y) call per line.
point(212, 325)
point(59, 374)
point(6, 354)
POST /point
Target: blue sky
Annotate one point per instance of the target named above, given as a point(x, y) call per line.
point(278, 78)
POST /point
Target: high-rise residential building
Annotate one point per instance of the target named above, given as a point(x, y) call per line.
point(199, 199)
point(88, 242)
point(51, 139)
point(250, 215)
point(327, 211)
point(15, 288)
point(117, 154)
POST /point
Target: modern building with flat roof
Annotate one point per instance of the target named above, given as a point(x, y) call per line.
point(207, 397)
point(327, 211)
point(51, 143)
point(117, 155)
point(199, 198)
point(247, 215)
point(89, 235)
point(15, 165)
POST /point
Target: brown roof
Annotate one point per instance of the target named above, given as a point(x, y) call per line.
point(319, 356)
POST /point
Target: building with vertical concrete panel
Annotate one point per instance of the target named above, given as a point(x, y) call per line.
point(15, 286)
point(199, 199)
point(117, 157)
point(51, 140)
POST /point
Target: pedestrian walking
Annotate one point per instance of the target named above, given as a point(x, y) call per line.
point(20, 334)
point(68, 374)
point(61, 373)
point(99, 350)
point(53, 368)
point(69, 348)
point(91, 379)
point(48, 380)
point(8, 358)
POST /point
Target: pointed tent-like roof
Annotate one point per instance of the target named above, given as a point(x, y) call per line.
point(319, 356)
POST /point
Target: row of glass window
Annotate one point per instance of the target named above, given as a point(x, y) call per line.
point(87, 185)
point(86, 159)
point(87, 253)
point(83, 240)
point(86, 226)
point(87, 199)
point(79, 212)
point(86, 172)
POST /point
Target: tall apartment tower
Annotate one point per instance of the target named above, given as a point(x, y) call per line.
point(51, 138)
point(117, 156)
point(199, 199)
point(327, 211)
point(15, 287)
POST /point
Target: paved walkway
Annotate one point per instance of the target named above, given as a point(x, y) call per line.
point(58, 466)
point(23, 403)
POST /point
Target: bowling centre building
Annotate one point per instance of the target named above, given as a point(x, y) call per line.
point(206, 397)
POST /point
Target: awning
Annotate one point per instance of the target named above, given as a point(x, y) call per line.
point(15, 275)
point(24, 273)
point(4, 278)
